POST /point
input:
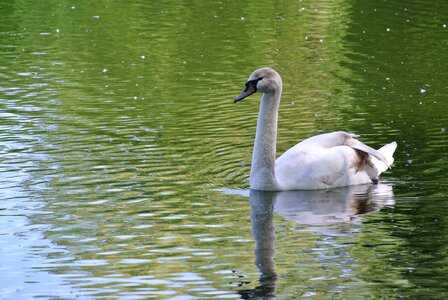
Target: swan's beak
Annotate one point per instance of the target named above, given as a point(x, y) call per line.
point(251, 87)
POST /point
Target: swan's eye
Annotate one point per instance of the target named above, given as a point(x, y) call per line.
point(253, 82)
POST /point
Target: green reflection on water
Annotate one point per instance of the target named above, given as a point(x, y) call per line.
point(118, 135)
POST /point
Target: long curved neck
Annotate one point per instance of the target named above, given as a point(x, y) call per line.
point(262, 174)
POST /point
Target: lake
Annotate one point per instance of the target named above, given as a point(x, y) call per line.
point(124, 164)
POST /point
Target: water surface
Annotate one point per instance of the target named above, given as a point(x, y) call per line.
point(124, 163)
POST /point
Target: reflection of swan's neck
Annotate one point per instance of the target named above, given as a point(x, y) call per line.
point(262, 174)
point(263, 231)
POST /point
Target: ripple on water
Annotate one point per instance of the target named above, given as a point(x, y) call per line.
point(114, 149)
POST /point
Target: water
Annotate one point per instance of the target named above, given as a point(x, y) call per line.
point(124, 163)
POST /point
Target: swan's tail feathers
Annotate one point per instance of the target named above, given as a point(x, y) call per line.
point(387, 151)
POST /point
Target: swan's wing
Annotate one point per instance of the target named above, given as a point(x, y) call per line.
point(335, 139)
point(330, 160)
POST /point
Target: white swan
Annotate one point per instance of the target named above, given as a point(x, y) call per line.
point(319, 162)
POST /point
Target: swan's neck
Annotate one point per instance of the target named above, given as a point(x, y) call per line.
point(262, 174)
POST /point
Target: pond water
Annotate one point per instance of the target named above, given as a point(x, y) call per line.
point(124, 164)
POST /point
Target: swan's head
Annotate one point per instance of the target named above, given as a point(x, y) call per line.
point(264, 80)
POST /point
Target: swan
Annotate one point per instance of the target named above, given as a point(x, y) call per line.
point(320, 162)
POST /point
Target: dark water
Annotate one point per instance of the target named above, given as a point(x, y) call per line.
point(124, 163)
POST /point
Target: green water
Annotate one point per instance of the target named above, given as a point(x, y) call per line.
point(124, 164)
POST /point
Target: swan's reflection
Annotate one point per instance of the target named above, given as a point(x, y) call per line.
point(333, 206)
point(315, 208)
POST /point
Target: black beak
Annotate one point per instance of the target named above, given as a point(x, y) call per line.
point(251, 87)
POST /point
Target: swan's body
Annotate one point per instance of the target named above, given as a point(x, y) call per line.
point(319, 162)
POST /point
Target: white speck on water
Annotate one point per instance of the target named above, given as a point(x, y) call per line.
point(387, 78)
point(422, 90)
point(135, 97)
point(142, 57)
point(442, 130)
point(387, 29)
point(321, 40)
point(96, 17)
point(58, 30)
point(302, 9)
point(44, 33)
point(105, 70)
point(420, 102)
point(410, 161)
point(444, 25)
point(306, 38)
point(73, 7)
point(242, 18)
